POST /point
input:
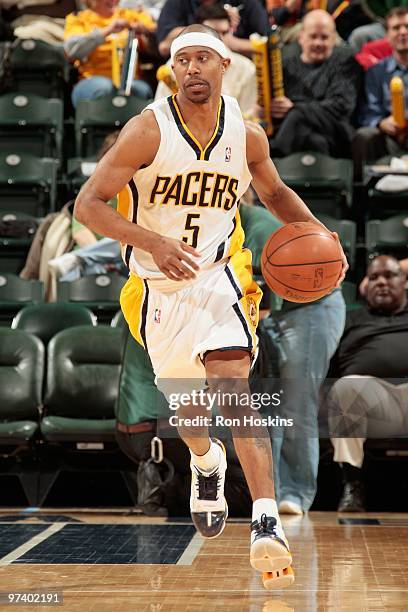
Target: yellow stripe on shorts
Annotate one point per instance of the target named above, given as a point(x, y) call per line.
point(132, 298)
point(241, 264)
point(237, 237)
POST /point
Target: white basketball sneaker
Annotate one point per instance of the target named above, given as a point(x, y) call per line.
point(269, 546)
point(208, 506)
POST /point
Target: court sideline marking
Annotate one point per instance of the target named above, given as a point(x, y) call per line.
point(191, 551)
point(31, 543)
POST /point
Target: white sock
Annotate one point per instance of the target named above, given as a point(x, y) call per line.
point(210, 460)
point(265, 505)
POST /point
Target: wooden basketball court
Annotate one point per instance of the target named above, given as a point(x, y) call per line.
point(119, 561)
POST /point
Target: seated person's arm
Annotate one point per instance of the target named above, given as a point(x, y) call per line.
point(239, 45)
point(79, 43)
point(374, 111)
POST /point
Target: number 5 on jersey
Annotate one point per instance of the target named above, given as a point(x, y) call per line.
point(192, 240)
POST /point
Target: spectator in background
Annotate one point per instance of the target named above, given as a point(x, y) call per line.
point(380, 134)
point(296, 345)
point(307, 337)
point(247, 17)
point(98, 257)
point(374, 347)
point(239, 81)
point(92, 253)
point(364, 283)
point(321, 89)
point(89, 37)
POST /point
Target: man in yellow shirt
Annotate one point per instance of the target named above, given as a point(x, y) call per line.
point(90, 36)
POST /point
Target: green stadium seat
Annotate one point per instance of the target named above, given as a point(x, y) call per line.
point(45, 320)
point(21, 379)
point(84, 365)
point(32, 124)
point(382, 204)
point(99, 292)
point(95, 119)
point(15, 293)
point(389, 236)
point(325, 183)
point(28, 184)
point(39, 68)
point(78, 422)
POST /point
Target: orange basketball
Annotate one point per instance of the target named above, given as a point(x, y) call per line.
point(301, 262)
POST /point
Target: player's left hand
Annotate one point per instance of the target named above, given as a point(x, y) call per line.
point(345, 265)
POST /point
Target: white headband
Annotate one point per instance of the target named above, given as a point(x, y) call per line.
point(198, 39)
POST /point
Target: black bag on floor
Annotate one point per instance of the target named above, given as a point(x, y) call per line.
point(152, 480)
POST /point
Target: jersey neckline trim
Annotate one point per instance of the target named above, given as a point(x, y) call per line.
point(201, 154)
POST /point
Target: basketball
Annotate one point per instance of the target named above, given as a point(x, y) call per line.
point(301, 262)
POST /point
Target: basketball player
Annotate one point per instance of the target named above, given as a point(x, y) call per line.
point(180, 169)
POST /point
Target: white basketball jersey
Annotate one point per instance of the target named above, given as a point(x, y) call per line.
point(190, 193)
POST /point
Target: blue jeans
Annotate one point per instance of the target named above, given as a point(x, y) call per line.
point(94, 259)
point(99, 86)
point(308, 338)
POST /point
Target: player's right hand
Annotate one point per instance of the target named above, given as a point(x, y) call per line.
point(172, 257)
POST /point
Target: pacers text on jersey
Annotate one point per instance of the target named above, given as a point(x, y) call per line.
point(205, 189)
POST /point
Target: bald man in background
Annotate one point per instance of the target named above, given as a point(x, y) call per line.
point(321, 83)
